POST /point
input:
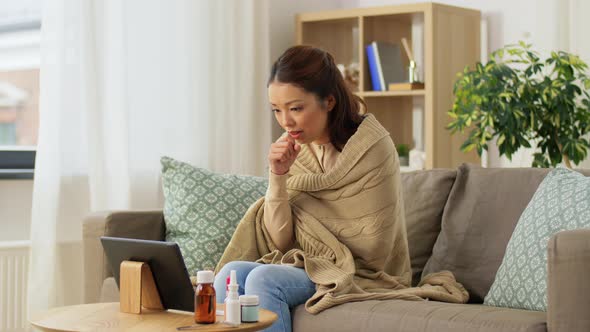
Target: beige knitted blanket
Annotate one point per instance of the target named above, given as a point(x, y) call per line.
point(350, 228)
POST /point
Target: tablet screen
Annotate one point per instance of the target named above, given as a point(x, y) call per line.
point(165, 261)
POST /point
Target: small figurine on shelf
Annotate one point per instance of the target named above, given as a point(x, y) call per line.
point(412, 70)
point(350, 74)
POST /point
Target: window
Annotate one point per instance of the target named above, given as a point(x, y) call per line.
point(19, 87)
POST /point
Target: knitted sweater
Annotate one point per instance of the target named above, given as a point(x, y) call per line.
point(349, 226)
point(277, 210)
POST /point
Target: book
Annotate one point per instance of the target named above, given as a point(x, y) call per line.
point(373, 70)
point(385, 64)
point(406, 86)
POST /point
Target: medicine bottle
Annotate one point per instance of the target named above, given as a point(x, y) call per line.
point(232, 302)
point(250, 308)
point(205, 303)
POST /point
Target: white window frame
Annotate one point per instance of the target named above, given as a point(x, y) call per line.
point(19, 50)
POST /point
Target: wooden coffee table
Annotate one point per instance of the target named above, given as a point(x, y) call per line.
point(107, 317)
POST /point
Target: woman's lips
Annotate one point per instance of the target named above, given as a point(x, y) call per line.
point(295, 134)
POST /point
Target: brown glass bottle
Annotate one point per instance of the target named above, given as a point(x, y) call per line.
point(205, 303)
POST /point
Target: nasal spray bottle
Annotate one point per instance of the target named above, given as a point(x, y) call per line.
point(232, 302)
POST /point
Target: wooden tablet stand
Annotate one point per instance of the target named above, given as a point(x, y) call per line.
point(137, 288)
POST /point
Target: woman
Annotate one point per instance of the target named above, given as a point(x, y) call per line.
point(332, 222)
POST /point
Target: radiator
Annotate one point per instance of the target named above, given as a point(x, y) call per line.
point(14, 264)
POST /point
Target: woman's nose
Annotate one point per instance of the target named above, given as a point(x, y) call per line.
point(287, 120)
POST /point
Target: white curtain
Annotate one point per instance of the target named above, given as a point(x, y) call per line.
point(123, 83)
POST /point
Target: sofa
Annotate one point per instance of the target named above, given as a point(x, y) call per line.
point(457, 219)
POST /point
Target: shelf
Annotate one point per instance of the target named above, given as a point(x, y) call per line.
point(391, 93)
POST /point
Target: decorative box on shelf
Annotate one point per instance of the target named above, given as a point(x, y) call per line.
point(406, 86)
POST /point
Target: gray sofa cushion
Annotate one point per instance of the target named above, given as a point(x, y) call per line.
point(425, 194)
point(482, 210)
point(144, 225)
point(423, 316)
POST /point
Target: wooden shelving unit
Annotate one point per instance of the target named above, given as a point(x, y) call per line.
point(450, 40)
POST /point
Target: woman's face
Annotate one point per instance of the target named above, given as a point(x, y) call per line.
point(300, 113)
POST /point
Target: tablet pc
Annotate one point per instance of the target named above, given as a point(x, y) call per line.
point(165, 260)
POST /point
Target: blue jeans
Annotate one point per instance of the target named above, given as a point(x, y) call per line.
point(278, 287)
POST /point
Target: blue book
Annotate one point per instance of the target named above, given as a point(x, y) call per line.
point(374, 68)
point(385, 65)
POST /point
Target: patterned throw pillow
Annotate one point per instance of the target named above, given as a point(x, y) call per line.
point(203, 208)
point(562, 202)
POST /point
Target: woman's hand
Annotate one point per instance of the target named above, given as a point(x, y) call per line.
point(282, 154)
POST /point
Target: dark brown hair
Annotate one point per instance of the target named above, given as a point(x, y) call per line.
point(314, 70)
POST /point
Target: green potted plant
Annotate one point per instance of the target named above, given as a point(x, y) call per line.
point(403, 152)
point(519, 98)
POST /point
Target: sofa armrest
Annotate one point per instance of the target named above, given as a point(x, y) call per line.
point(147, 225)
point(568, 289)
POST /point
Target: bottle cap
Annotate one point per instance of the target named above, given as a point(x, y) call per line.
point(249, 299)
point(233, 280)
point(233, 287)
point(205, 277)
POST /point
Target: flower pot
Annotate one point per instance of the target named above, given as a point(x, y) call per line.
point(404, 161)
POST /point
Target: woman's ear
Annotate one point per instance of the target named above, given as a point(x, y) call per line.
point(331, 102)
